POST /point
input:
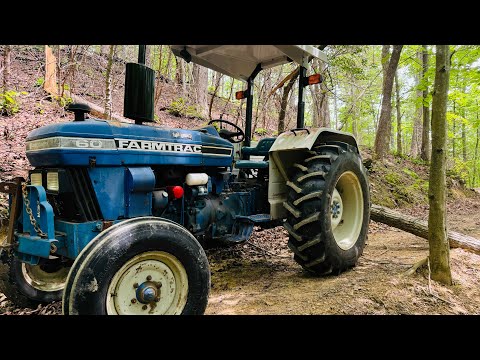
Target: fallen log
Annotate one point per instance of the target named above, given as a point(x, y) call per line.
point(420, 228)
point(96, 110)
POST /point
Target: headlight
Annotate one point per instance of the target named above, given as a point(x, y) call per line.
point(52, 181)
point(36, 179)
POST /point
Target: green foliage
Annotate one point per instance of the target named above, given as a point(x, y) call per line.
point(393, 178)
point(39, 82)
point(39, 109)
point(9, 104)
point(410, 173)
point(459, 171)
point(179, 107)
point(261, 131)
point(63, 101)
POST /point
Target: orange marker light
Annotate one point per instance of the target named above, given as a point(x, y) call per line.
point(314, 79)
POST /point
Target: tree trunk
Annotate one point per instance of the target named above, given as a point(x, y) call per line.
point(200, 76)
point(437, 227)
point(217, 83)
point(7, 56)
point(399, 116)
point(475, 158)
point(335, 108)
point(108, 84)
point(464, 142)
point(425, 151)
point(284, 103)
point(158, 81)
point(420, 228)
point(382, 139)
point(454, 130)
point(417, 121)
point(180, 74)
point(169, 60)
point(59, 71)
point(50, 83)
point(321, 113)
point(229, 95)
point(353, 99)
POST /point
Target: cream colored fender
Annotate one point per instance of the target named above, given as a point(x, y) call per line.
point(289, 149)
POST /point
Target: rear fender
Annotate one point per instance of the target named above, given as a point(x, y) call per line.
point(290, 148)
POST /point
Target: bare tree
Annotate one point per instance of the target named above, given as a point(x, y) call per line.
point(321, 111)
point(217, 84)
point(108, 83)
point(7, 55)
point(200, 76)
point(399, 116)
point(437, 226)
point(284, 102)
point(425, 149)
point(50, 83)
point(382, 139)
point(417, 120)
point(475, 158)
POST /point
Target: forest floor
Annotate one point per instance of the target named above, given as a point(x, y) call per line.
point(260, 277)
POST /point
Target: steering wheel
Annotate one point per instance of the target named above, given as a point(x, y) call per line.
point(227, 134)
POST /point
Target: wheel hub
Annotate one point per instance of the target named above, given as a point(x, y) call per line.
point(151, 283)
point(336, 209)
point(148, 292)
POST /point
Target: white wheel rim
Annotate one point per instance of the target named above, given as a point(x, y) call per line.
point(43, 280)
point(346, 208)
point(151, 283)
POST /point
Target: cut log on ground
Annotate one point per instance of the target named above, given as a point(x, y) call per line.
point(97, 111)
point(420, 228)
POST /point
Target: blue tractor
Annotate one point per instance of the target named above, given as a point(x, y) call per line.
point(115, 215)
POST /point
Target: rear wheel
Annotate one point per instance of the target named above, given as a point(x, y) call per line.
point(328, 209)
point(29, 285)
point(142, 266)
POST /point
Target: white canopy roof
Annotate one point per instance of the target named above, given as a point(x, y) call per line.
point(239, 61)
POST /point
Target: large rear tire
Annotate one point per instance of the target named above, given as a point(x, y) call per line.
point(29, 285)
point(142, 266)
point(328, 209)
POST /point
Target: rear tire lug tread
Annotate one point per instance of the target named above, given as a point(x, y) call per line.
point(297, 252)
point(320, 174)
point(293, 233)
point(292, 209)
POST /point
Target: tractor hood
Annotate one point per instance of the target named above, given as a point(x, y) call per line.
point(111, 143)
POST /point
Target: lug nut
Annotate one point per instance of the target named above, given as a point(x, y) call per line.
point(144, 307)
point(159, 285)
point(149, 278)
point(135, 285)
point(157, 299)
point(134, 301)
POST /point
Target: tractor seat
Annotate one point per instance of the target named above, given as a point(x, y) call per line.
point(262, 148)
point(250, 164)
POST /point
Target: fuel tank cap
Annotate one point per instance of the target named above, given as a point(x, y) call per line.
point(79, 110)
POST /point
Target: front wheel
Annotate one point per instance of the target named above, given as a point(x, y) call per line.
point(142, 266)
point(29, 285)
point(328, 209)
